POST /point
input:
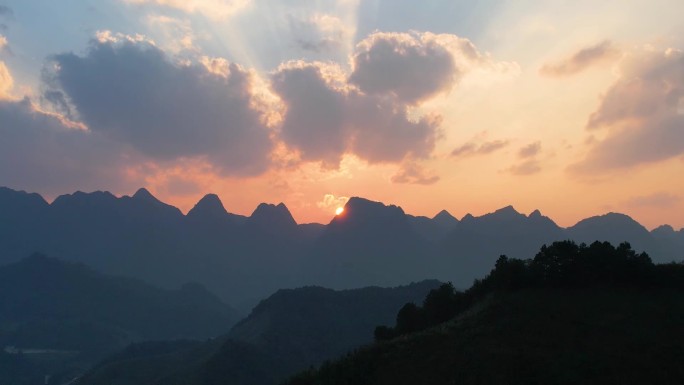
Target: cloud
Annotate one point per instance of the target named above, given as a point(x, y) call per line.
point(331, 201)
point(177, 33)
point(326, 118)
point(581, 60)
point(527, 167)
point(319, 32)
point(45, 152)
point(129, 91)
point(3, 43)
point(530, 150)
point(471, 148)
point(412, 66)
point(6, 11)
point(6, 81)
point(413, 173)
point(658, 199)
point(640, 113)
point(214, 9)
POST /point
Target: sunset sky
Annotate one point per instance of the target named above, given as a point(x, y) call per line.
point(575, 107)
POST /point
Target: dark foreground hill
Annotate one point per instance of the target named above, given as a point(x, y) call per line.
point(60, 316)
point(288, 332)
point(574, 314)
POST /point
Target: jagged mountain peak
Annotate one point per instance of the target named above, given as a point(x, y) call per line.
point(144, 194)
point(444, 216)
point(535, 214)
point(363, 211)
point(508, 210)
point(363, 205)
point(209, 205)
point(267, 214)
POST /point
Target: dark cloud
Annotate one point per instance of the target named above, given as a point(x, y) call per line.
point(635, 145)
point(413, 173)
point(642, 114)
point(317, 46)
point(412, 67)
point(530, 150)
point(527, 167)
point(318, 33)
point(43, 152)
point(325, 118)
point(659, 199)
point(470, 148)
point(6, 11)
point(581, 60)
point(132, 92)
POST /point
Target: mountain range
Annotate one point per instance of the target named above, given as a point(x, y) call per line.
point(245, 258)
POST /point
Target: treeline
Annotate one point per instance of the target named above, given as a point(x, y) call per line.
point(560, 265)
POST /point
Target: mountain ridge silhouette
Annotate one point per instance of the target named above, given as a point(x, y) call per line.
point(245, 258)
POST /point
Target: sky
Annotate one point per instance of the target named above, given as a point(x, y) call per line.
point(575, 108)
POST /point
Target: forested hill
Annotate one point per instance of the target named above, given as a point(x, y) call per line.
point(573, 314)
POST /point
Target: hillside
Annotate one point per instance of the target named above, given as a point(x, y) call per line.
point(558, 336)
point(287, 332)
point(616, 320)
point(76, 315)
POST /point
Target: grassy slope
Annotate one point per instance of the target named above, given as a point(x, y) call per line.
point(533, 336)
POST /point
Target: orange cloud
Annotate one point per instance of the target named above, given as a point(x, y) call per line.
point(581, 60)
point(640, 113)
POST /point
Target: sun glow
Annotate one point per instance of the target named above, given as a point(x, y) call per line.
point(339, 210)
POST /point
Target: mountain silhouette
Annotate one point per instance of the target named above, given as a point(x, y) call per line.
point(274, 219)
point(209, 211)
point(476, 242)
point(243, 259)
point(53, 305)
point(368, 244)
point(435, 228)
point(611, 227)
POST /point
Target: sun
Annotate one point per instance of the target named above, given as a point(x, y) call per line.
point(339, 210)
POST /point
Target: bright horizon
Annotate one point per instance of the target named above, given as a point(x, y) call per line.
point(572, 108)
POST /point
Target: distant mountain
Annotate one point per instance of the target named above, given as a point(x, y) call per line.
point(611, 227)
point(243, 259)
point(50, 305)
point(273, 218)
point(473, 245)
point(19, 212)
point(45, 290)
point(369, 244)
point(209, 211)
point(435, 228)
point(289, 331)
